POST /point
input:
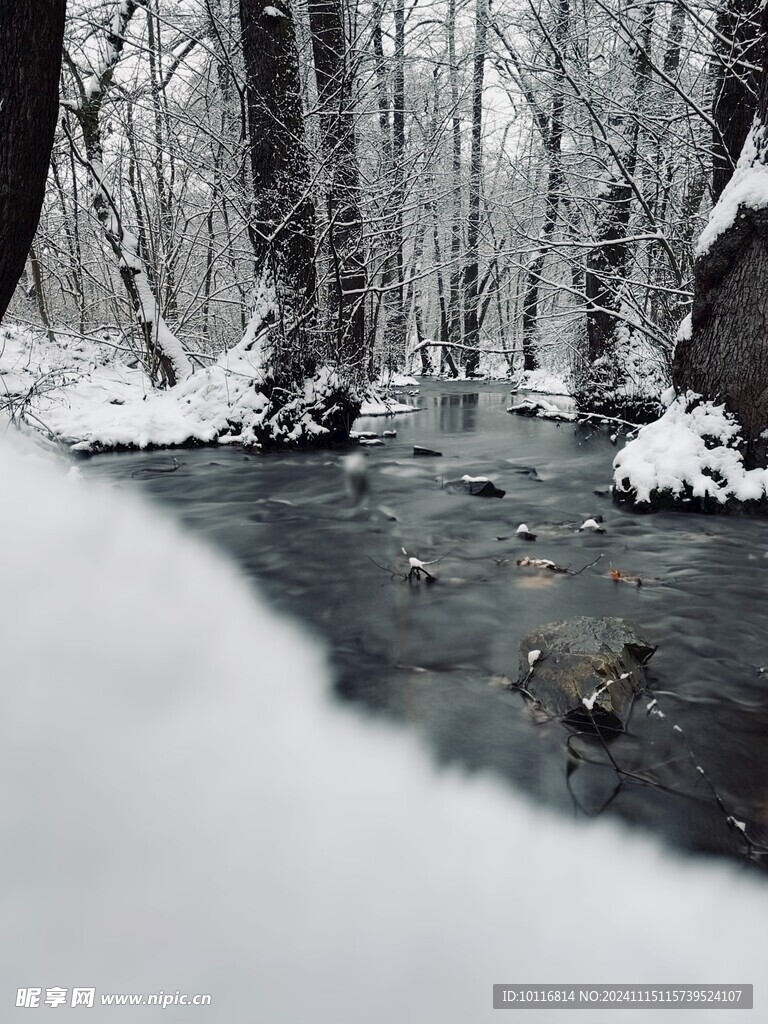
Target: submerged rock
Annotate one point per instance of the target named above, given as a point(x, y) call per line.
point(587, 667)
point(480, 486)
point(426, 452)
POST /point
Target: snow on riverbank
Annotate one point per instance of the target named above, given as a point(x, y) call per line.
point(94, 395)
point(543, 382)
point(184, 808)
point(690, 452)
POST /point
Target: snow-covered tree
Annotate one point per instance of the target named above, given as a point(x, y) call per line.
point(724, 356)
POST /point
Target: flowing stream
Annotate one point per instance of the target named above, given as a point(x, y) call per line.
point(437, 657)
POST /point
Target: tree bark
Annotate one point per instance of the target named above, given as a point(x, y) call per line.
point(284, 214)
point(606, 263)
point(471, 266)
point(168, 362)
point(726, 356)
point(737, 52)
point(329, 47)
point(31, 37)
point(555, 183)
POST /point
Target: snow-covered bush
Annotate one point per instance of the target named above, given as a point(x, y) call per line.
point(626, 382)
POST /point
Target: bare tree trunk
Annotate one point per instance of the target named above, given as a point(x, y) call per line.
point(471, 266)
point(284, 211)
point(606, 263)
point(555, 182)
point(333, 75)
point(735, 58)
point(168, 361)
point(37, 277)
point(454, 295)
point(31, 37)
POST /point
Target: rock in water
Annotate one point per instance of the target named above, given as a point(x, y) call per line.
point(597, 660)
point(480, 486)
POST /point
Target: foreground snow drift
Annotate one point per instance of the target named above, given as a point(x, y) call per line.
point(691, 454)
point(183, 808)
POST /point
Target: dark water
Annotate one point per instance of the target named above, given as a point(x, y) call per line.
point(431, 656)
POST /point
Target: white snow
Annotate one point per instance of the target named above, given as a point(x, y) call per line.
point(384, 407)
point(182, 807)
point(542, 381)
point(396, 380)
point(95, 396)
point(533, 657)
point(685, 330)
point(522, 528)
point(592, 524)
point(475, 479)
point(543, 409)
point(272, 12)
point(680, 451)
point(747, 188)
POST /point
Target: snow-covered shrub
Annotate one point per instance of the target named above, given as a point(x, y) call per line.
point(626, 382)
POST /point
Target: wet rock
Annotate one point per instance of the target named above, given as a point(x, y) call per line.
point(523, 533)
point(479, 486)
point(587, 668)
point(418, 450)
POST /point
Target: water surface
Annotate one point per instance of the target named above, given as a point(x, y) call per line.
point(435, 657)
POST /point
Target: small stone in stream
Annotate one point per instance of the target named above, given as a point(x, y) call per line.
point(390, 433)
point(418, 450)
point(604, 493)
point(524, 533)
point(479, 486)
point(370, 442)
point(592, 525)
point(363, 435)
point(528, 471)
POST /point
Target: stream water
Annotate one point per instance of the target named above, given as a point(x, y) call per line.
point(436, 657)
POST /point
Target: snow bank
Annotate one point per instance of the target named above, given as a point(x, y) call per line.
point(182, 808)
point(96, 396)
point(747, 188)
point(393, 379)
point(542, 381)
point(690, 452)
